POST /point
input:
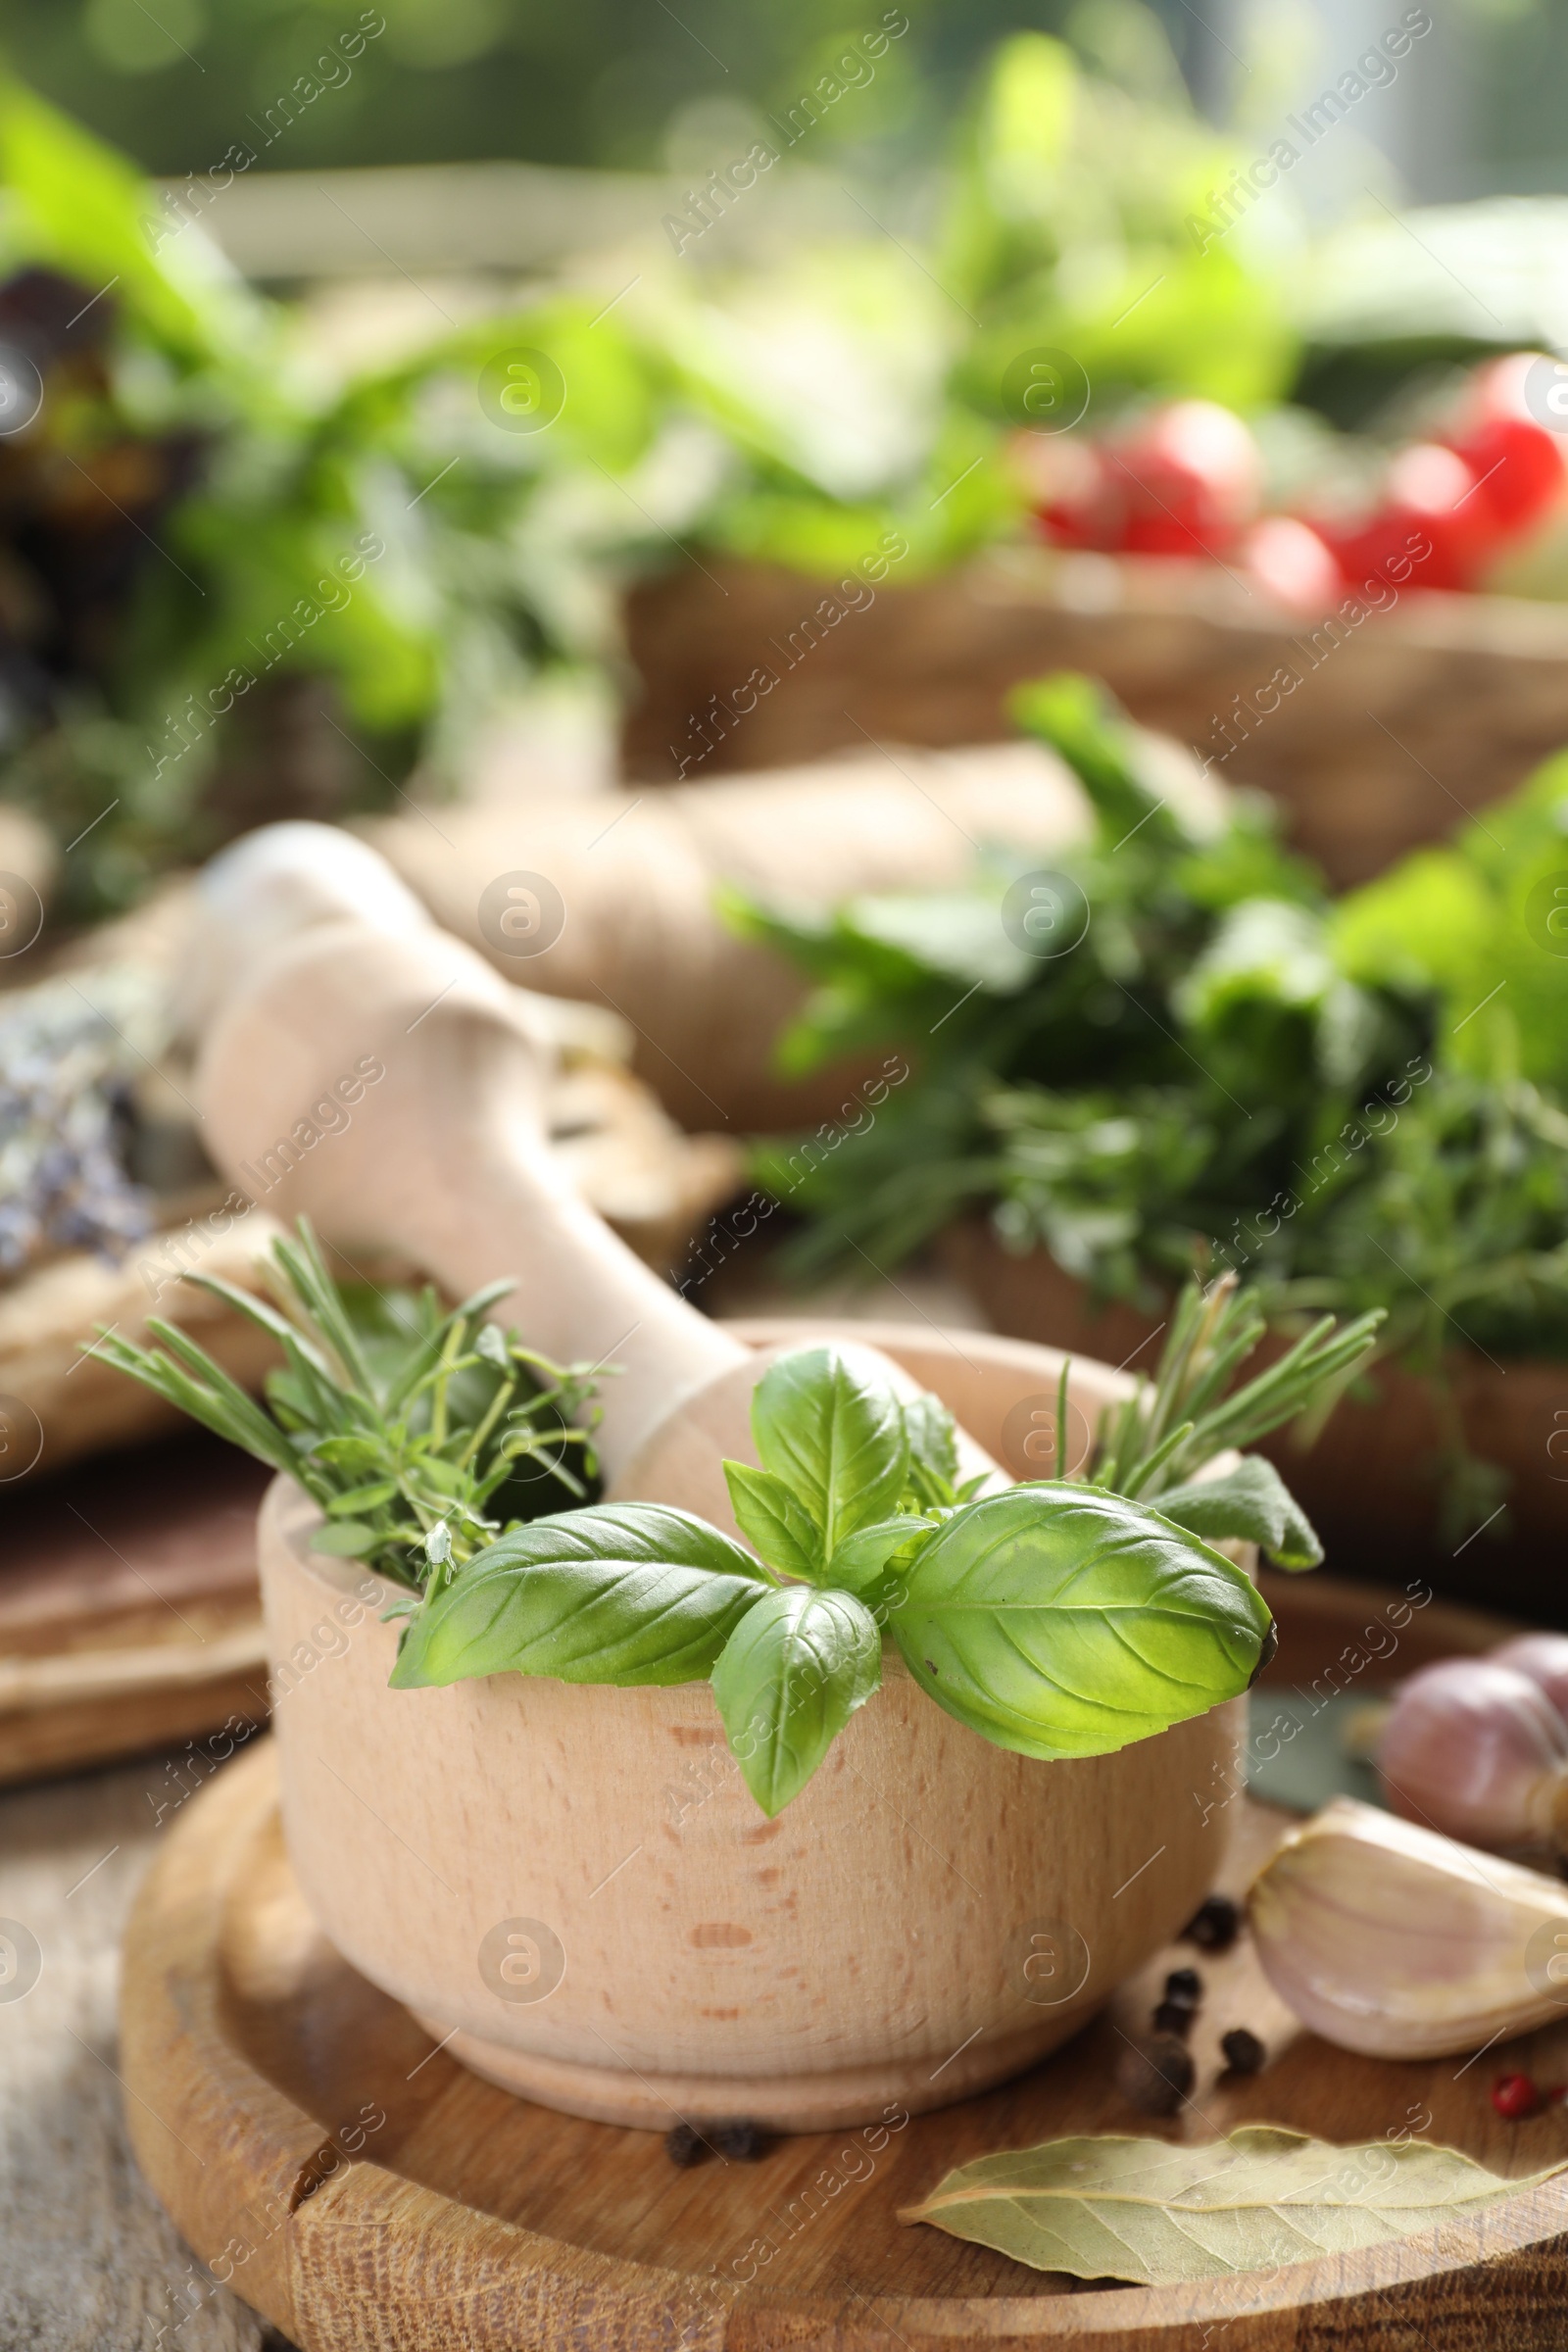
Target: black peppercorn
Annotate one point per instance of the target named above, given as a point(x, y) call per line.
point(1180, 2002)
point(683, 2145)
point(1215, 1925)
point(1155, 2075)
point(739, 2139)
point(1244, 2052)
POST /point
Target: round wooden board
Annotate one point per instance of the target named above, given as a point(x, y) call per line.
point(338, 2169)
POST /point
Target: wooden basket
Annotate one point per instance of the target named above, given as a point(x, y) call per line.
point(1390, 733)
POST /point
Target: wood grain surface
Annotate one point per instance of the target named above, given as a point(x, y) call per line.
point(89, 2262)
point(130, 1615)
point(362, 2189)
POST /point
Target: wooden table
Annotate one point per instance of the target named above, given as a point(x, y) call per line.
point(89, 2262)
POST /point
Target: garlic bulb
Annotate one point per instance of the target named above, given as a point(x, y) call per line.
point(1390, 1939)
point(1475, 1748)
point(1544, 1658)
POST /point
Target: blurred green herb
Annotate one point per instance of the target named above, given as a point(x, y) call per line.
point(1069, 228)
point(243, 587)
point(246, 583)
point(1360, 1103)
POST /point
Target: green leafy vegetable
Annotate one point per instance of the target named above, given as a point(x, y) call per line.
point(1075, 199)
point(861, 1562)
point(631, 1594)
point(1156, 2215)
point(773, 1522)
point(1062, 1621)
point(1057, 1619)
point(1252, 1502)
point(792, 1674)
point(933, 1454)
point(829, 1423)
point(276, 586)
point(1110, 757)
point(1359, 1104)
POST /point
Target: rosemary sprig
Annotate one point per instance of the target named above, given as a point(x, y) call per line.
point(1171, 1426)
point(422, 1434)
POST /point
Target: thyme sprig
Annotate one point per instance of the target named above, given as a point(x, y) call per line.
point(422, 1434)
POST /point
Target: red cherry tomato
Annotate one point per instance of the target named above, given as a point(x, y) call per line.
point(1293, 564)
point(1430, 518)
point(1189, 477)
point(1075, 501)
point(1520, 463)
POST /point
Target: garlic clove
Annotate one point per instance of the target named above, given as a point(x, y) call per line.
point(1388, 1939)
point(1475, 1748)
point(1543, 1657)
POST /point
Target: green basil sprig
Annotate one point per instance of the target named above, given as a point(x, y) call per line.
point(1062, 1621)
point(628, 1594)
point(790, 1677)
point(1055, 1619)
point(1253, 1503)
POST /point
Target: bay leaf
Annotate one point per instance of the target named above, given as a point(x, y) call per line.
point(1156, 2215)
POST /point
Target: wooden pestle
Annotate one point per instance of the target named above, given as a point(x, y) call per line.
point(268, 888)
point(638, 870)
point(389, 1085)
point(638, 873)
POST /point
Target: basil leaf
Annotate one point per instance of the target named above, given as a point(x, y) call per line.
point(773, 1522)
point(1060, 1620)
point(625, 1593)
point(829, 1422)
point(792, 1674)
point(932, 1442)
point(859, 1560)
point(1252, 1502)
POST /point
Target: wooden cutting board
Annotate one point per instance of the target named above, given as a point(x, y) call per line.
point(130, 1616)
point(355, 2184)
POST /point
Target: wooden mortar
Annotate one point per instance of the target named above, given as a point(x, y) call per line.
point(573, 1884)
point(571, 1887)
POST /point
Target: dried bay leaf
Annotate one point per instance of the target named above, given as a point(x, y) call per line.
point(1156, 2215)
